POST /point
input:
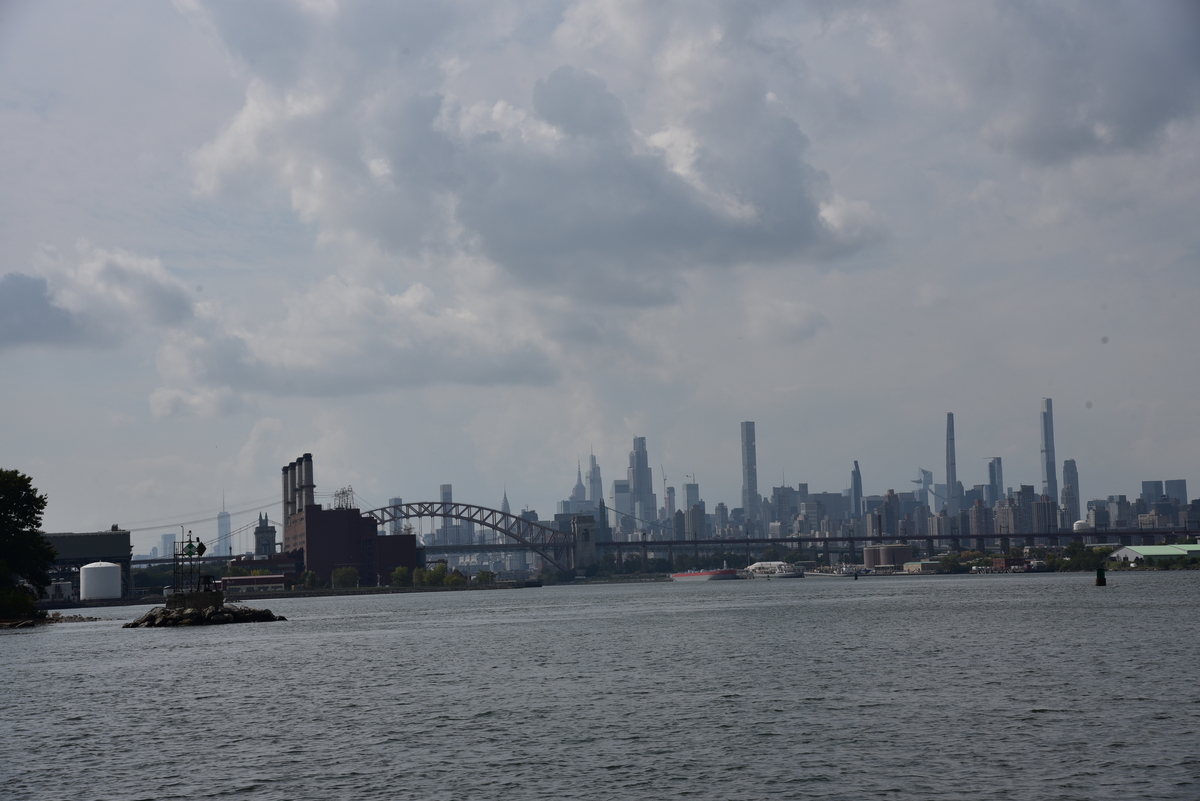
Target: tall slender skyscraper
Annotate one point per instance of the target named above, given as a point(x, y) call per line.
point(449, 530)
point(642, 500)
point(1049, 468)
point(855, 492)
point(1070, 500)
point(595, 484)
point(224, 540)
point(951, 468)
point(995, 481)
point(398, 523)
point(750, 499)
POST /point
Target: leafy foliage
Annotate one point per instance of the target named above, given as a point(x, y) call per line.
point(401, 577)
point(345, 577)
point(24, 553)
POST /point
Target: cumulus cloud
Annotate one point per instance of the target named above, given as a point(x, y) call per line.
point(29, 316)
point(340, 338)
point(561, 185)
point(1051, 82)
point(99, 300)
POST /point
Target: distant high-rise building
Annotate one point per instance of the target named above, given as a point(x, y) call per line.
point(924, 482)
point(642, 499)
point(1151, 492)
point(449, 533)
point(579, 493)
point(1070, 500)
point(1049, 466)
point(398, 523)
point(856, 492)
point(995, 485)
point(595, 484)
point(1176, 490)
point(167, 546)
point(619, 502)
point(750, 500)
point(691, 495)
point(669, 504)
point(224, 538)
point(504, 507)
point(951, 469)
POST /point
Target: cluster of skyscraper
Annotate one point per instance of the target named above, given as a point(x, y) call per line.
point(931, 509)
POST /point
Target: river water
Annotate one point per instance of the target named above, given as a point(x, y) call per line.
point(949, 687)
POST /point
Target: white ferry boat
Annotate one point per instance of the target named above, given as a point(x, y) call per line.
point(770, 570)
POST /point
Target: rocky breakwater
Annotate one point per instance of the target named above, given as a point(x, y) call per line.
point(160, 616)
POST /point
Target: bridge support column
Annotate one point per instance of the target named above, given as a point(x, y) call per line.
point(981, 545)
point(644, 557)
point(1005, 545)
point(584, 554)
point(671, 557)
point(828, 555)
point(619, 563)
point(929, 548)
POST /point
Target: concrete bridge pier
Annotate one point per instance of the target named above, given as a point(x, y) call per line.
point(929, 548)
point(584, 555)
point(1005, 545)
point(828, 556)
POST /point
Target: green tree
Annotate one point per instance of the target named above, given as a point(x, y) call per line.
point(24, 553)
point(310, 580)
point(769, 554)
point(454, 579)
point(345, 577)
point(485, 577)
point(401, 577)
point(419, 575)
point(950, 564)
point(437, 576)
point(235, 570)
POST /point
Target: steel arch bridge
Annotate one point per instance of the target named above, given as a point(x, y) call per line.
point(555, 546)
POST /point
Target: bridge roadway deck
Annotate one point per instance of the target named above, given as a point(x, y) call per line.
point(809, 541)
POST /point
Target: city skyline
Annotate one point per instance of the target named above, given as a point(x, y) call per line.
point(434, 244)
point(583, 499)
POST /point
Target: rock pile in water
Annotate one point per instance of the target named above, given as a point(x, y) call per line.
point(160, 616)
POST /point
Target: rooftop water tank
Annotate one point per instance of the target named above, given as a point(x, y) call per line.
point(99, 580)
point(1082, 525)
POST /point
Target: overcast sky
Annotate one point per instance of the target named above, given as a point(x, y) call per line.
point(467, 242)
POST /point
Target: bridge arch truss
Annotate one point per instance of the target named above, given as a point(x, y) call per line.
point(555, 546)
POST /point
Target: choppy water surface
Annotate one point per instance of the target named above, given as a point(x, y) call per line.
point(910, 688)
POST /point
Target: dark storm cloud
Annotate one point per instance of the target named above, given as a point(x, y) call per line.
point(28, 315)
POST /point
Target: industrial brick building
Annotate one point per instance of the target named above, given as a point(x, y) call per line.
point(341, 537)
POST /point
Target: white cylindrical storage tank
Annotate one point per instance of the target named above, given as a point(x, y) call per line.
point(99, 580)
point(1082, 525)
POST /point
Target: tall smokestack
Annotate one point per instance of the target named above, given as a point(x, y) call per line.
point(286, 487)
point(307, 488)
point(292, 488)
point(951, 468)
point(1049, 468)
